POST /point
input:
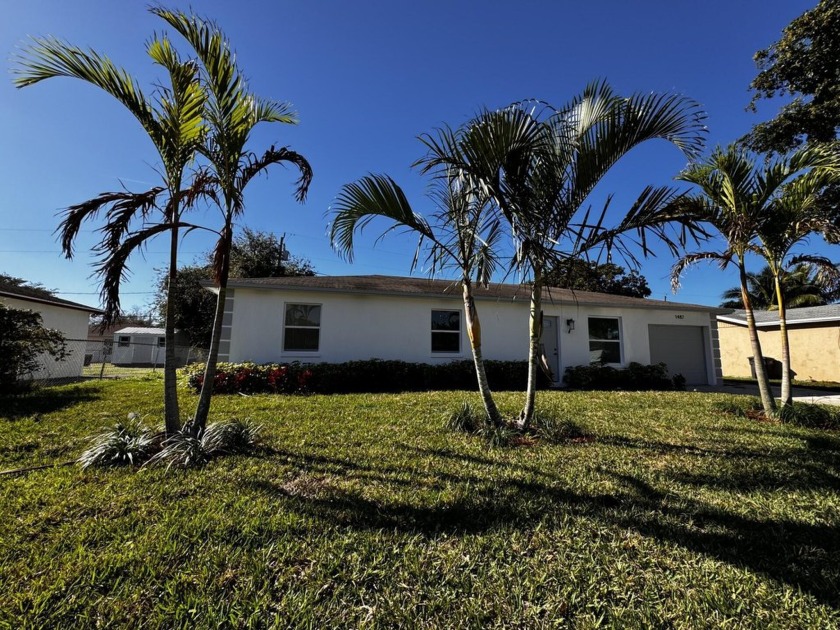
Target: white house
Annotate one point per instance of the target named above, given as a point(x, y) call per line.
point(142, 346)
point(341, 318)
point(69, 318)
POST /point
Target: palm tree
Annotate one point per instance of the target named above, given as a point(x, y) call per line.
point(540, 164)
point(174, 123)
point(745, 203)
point(461, 234)
point(794, 214)
point(232, 114)
point(801, 286)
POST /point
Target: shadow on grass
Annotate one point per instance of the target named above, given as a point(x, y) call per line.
point(802, 555)
point(45, 400)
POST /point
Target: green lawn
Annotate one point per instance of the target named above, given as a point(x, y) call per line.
point(366, 513)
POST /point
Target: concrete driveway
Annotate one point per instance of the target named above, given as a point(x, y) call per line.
point(800, 394)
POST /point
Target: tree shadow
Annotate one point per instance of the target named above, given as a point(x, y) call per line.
point(45, 400)
point(801, 555)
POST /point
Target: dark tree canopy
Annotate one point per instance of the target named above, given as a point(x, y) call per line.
point(257, 254)
point(254, 254)
point(801, 286)
point(24, 342)
point(583, 275)
point(803, 64)
point(11, 283)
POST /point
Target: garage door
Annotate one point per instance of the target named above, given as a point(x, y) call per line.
point(682, 349)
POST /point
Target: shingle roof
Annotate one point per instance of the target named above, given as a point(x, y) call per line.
point(396, 285)
point(806, 315)
point(32, 294)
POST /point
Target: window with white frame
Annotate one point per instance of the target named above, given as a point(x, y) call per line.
point(604, 340)
point(302, 327)
point(446, 331)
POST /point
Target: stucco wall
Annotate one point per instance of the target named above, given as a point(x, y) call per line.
point(72, 323)
point(396, 327)
point(814, 349)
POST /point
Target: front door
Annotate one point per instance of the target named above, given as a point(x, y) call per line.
point(548, 346)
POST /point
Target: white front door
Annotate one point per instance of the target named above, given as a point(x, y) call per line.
point(549, 346)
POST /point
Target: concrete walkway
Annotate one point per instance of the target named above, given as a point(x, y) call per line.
point(800, 394)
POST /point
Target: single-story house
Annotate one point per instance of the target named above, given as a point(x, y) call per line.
point(813, 332)
point(69, 318)
point(145, 346)
point(341, 318)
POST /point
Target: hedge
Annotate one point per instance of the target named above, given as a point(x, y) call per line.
point(635, 377)
point(372, 376)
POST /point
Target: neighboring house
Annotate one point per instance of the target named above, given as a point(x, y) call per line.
point(145, 346)
point(813, 332)
point(342, 318)
point(70, 318)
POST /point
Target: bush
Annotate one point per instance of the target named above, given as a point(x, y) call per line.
point(24, 344)
point(635, 377)
point(556, 430)
point(465, 420)
point(372, 376)
point(810, 416)
point(126, 444)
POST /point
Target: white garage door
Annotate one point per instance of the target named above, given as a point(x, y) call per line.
point(682, 349)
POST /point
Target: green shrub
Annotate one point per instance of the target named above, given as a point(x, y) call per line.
point(556, 430)
point(125, 444)
point(372, 376)
point(465, 419)
point(635, 377)
point(810, 416)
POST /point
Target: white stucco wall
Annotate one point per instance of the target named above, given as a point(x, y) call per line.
point(73, 324)
point(399, 327)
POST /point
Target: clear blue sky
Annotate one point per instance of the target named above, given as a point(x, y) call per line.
point(366, 78)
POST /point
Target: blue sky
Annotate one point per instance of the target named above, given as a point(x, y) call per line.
point(366, 78)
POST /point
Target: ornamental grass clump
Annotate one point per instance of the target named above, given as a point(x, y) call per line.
point(465, 420)
point(809, 416)
point(557, 430)
point(124, 444)
point(181, 450)
point(231, 437)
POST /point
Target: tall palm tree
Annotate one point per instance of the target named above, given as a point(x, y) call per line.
point(751, 208)
point(461, 234)
point(174, 122)
point(540, 164)
point(232, 114)
point(794, 214)
point(801, 286)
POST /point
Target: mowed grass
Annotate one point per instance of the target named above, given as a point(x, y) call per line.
point(365, 512)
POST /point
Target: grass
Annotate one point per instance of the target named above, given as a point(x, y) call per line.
point(365, 512)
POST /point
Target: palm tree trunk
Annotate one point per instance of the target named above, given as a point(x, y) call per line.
point(786, 396)
point(535, 330)
point(202, 410)
point(474, 331)
point(767, 400)
point(171, 413)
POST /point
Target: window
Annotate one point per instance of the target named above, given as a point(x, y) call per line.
point(302, 327)
point(446, 331)
point(161, 342)
point(124, 341)
point(604, 340)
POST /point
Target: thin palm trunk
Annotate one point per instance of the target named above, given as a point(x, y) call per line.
point(786, 396)
point(171, 413)
point(534, 331)
point(474, 332)
point(767, 400)
point(203, 408)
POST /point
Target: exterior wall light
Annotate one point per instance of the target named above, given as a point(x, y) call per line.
point(570, 324)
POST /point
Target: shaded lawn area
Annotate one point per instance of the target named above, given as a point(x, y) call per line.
point(366, 513)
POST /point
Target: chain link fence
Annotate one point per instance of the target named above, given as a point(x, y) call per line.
point(87, 358)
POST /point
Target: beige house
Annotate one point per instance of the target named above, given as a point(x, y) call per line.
point(814, 334)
